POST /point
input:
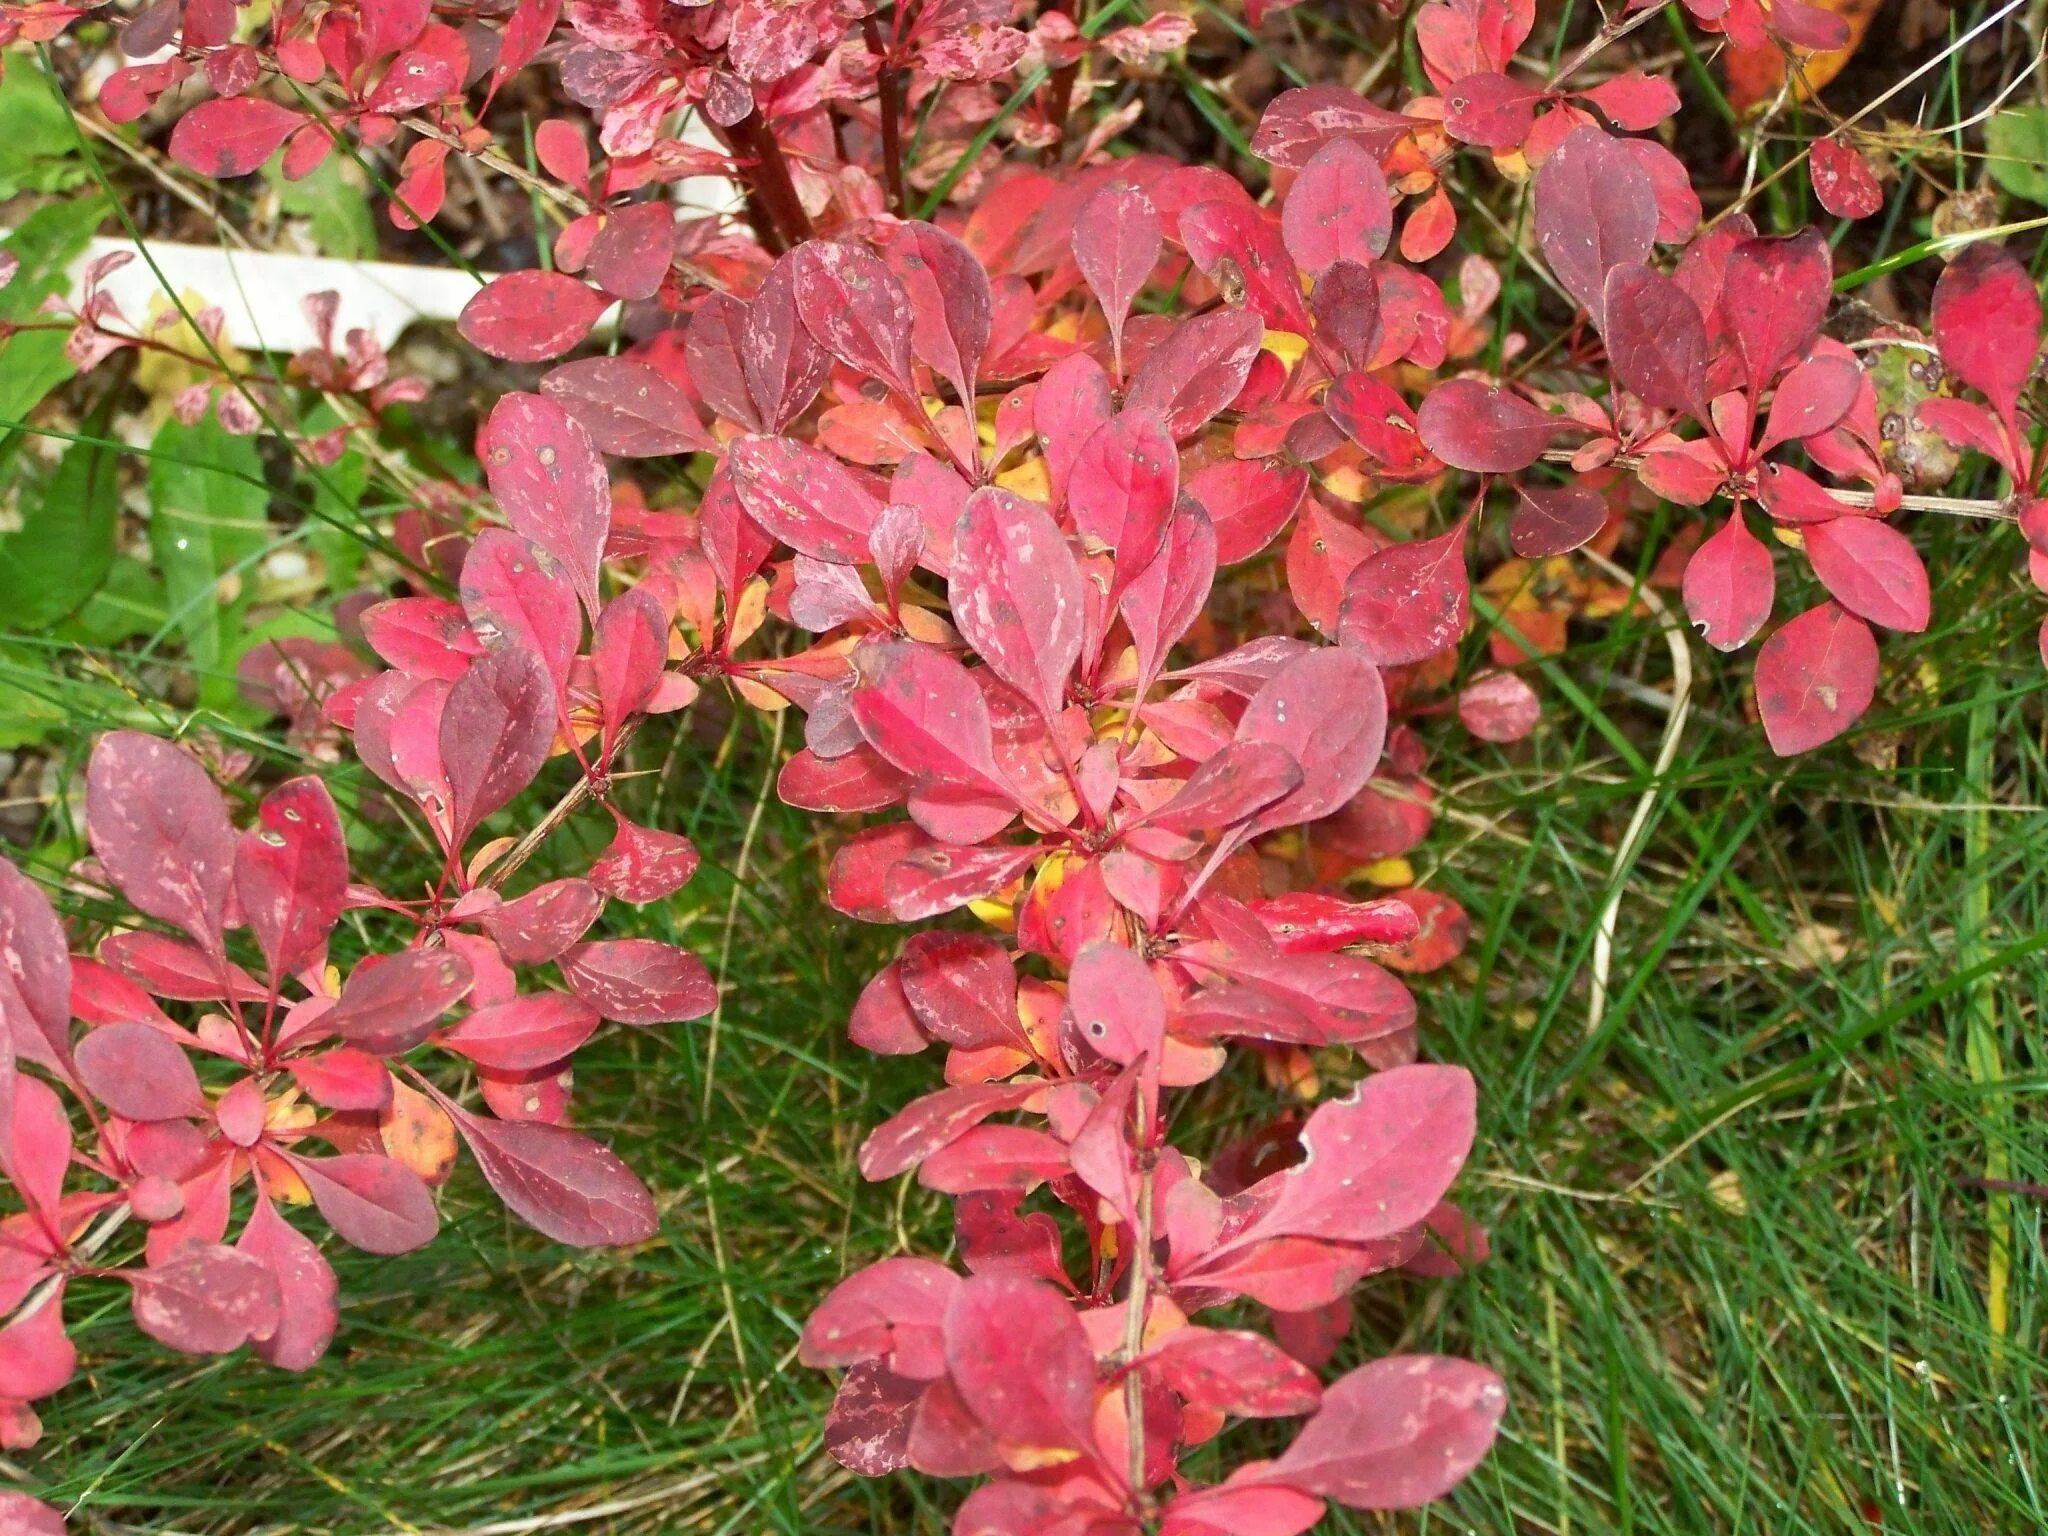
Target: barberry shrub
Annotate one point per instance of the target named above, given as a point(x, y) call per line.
point(1001, 475)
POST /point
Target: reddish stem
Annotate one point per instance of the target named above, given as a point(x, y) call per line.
point(771, 179)
point(889, 92)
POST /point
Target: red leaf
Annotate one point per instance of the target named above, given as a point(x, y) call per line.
point(1122, 489)
point(1016, 594)
point(1491, 109)
point(628, 650)
point(1872, 570)
point(924, 713)
point(1843, 180)
point(853, 304)
point(935, 880)
point(21, 1515)
point(1346, 306)
point(390, 1004)
point(1377, 1161)
point(1164, 601)
point(634, 245)
point(140, 1073)
point(544, 922)
point(1634, 102)
point(36, 1360)
point(1116, 1004)
point(537, 1030)
point(1299, 122)
point(1249, 1510)
point(1499, 707)
point(343, 1078)
point(1328, 710)
point(938, 1119)
point(714, 349)
point(232, 136)
point(1198, 369)
point(781, 362)
point(291, 874)
point(373, 1202)
point(1013, 1158)
point(1774, 295)
point(1248, 502)
point(37, 1153)
point(518, 596)
point(546, 474)
point(950, 302)
point(422, 636)
point(1397, 1433)
point(1987, 323)
point(530, 317)
point(178, 971)
point(644, 864)
point(35, 974)
point(628, 407)
point(1814, 678)
point(1729, 586)
point(206, 1299)
point(1241, 1374)
point(1487, 430)
point(1656, 339)
point(893, 1310)
point(640, 981)
point(1408, 601)
point(495, 732)
point(1020, 1362)
point(804, 497)
point(306, 1288)
point(562, 1184)
point(1595, 210)
point(1338, 209)
point(867, 1428)
point(161, 831)
point(961, 988)
point(1555, 520)
point(1236, 230)
point(1811, 399)
point(1116, 245)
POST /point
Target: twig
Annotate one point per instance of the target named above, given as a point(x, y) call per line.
point(1137, 1303)
point(1989, 509)
point(889, 92)
point(560, 812)
point(86, 1247)
point(1629, 847)
point(1610, 33)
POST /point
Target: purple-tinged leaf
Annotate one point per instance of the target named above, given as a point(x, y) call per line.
point(1656, 338)
point(291, 874)
point(853, 304)
point(1407, 601)
point(390, 1004)
point(1198, 369)
point(1116, 246)
point(373, 1202)
point(640, 981)
point(1395, 1434)
point(1486, 430)
point(140, 1073)
point(161, 832)
point(494, 733)
point(206, 1299)
point(804, 497)
point(628, 407)
point(1017, 596)
point(1338, 209)
point(950, 302)
point(1595, 210)
point(307, 1289)
point(562, 1184)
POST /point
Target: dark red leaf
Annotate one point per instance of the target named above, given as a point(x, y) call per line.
point(1595, 210)
point(35, 973)
point(544, 922)
point(961, 988)
point(1487, 430)
point(1555, 520)
point(1122, 489)
point(1328, 710)
point(1163, 603)
point(1248, 501)
point(634, 245)
point(1843, 180)
point(1490, 109)
point(1198, 369)
point(628, 407)
point(640, 981)
point(390, 1004)
point(495, 732)
point(782, 363)
point(517, 595)
point(950, 302)
point(1656, 338)
point(1774, 295)
point(1346, 306)
point(1020, 1362)
point(644, 864)
point(1299, 122)
point(853, 304)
